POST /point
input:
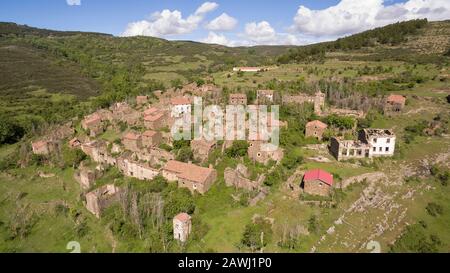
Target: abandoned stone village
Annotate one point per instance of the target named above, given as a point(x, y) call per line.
point(143, 123)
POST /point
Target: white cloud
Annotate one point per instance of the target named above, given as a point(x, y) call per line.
point(261, 32)
point(352, 16)
point(214, 38)
point(165, 23)
point(206, 8)
point(73, 2)
point(224, 22)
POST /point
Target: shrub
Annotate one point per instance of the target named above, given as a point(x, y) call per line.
point(238, 149)
point(257, 235)
point(434, 209)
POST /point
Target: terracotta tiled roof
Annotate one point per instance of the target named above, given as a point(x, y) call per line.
point(238, 95)
point(74, 141)
point(321, 175)
point(154, 117)
point(39, 144)
point(151, 111)
point(94, 118)
point(396, 99)
point(183, 217)
point(188, 171)
point(317, 123)
point(149, 133)
point(131, 136)
point(180, 101)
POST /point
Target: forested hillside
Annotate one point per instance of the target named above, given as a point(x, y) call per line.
point(392, 42)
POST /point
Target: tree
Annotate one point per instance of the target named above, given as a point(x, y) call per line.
point(185, 154)
point(176, 201)
point(238, 149)
point(10, 132)
point(257, 235)
point(292, 159)
point(72, 157)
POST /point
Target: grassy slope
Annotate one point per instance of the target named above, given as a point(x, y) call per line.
point(225, 217)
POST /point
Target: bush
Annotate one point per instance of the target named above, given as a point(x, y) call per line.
point(10, 132)
point(414, 240)
point(257, 235)
point(434, 209)
point(238, 149)
point(185, 154)
point(292, 159)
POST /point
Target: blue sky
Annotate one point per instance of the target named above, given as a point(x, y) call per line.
point(246, 22)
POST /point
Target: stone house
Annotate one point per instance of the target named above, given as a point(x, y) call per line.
point(315, 129)
point(318, 100)
point(238, 99)
point(263, 96)
point(100, 199)
point(202, 148)
point(94, 124)
point(86, 177)
point(248, 69)
point(98, 151)
point(154, 119)
point(132, 142)
point(190, 176)
point(180, 106)
point(394, 103)
point(238, 178)
point(141, 100)
point(41, 147)
point(382, 141)
point(370, 143)
point(182, 226)
point(151, 138)
point(262, 151)
point(133, 168)
point(62, 131)
point(346, 149)
point(74, 143)
point(317, 182)
point(122, 111)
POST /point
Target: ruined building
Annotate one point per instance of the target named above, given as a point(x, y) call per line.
point(190, 176)
point(370, 143)
point(182, 226)
point(101, 198)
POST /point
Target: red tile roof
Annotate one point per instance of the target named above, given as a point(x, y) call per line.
point(317, 123)
point(321, 175)
point(149, 133)
point(183, 217)
point(154, 117)
point(396, 99)
point(38, 144)
point(94, 118)
point(180, 101)
point(151, 111)
point(131, 136)
point(189, 171)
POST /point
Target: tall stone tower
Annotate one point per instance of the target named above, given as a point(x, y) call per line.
point(319, 102)
point(182, 226)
